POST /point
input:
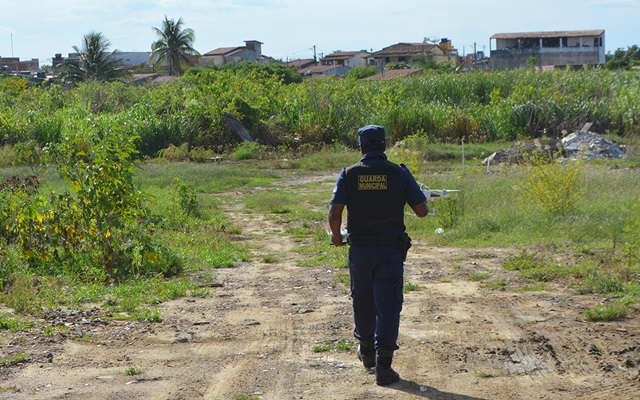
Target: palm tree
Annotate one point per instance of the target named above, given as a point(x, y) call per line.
point(94, 62)
point(173, 46)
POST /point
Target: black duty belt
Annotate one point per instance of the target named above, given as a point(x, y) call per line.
point(374, 240)
point(401, 241)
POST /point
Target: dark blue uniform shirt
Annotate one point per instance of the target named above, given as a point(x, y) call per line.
point(408, 184)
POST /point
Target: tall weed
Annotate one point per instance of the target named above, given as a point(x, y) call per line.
point(554, 187)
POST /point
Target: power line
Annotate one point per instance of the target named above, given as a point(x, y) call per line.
point(294, 55)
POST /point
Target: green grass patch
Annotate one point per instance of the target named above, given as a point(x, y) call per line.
point(205, 178)
point(323, 255)
point(205, 247)
point(132, 371)
point(13, 324)
point(410, 287)
point(7, 389)
point(525, 260)
point(533, 287)
point(479, 276)
point(339, 345)
point(15, 359)
point(246, 397)
point(612, 311)
point(601, 283)
point(499, 284)
point(271, 258)
point(132, 296)
point(246, 151)
point(51, 330)
point(119, 317)
point(148, 315)
point(329, 158)
point(344, 279)
point(484, 374)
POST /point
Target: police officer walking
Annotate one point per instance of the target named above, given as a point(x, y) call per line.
point(375, 192)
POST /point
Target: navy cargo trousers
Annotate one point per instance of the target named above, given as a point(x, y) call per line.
point(376, 290)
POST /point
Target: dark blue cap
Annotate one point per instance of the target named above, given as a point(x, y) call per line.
point(371, 134)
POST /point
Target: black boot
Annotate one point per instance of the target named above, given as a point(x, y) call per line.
point(367, 354)
point(385, 375)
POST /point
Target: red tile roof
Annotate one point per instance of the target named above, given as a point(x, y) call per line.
point(404, 49)
point(224, 51)
point(300, 63)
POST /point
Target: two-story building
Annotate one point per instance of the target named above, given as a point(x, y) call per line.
point(133, 58)
point(252, 51)
point(13, 64)
point(550, 49)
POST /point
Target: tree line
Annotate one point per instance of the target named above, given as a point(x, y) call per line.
point(623, 59)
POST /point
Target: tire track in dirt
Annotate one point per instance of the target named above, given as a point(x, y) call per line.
point(280, 310)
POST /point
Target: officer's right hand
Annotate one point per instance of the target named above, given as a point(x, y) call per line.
point(337, 240)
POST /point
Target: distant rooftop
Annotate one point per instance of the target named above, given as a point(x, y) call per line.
point(550, 34)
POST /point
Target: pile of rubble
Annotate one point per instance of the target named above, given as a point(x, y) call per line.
point(582, 144)
point(591, 146)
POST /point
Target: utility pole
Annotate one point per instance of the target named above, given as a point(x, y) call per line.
point(315, 60)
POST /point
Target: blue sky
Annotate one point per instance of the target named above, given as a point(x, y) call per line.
point(290, 29)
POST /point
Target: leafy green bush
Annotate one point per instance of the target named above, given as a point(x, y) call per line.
point(362, 72)
point(246, 151)
point(281, 109)
point(187, 199)
point(7, 155)
point(95, 231)
point(174, 153)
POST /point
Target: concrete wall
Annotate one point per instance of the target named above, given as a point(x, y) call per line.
point(15, 65)
point(132, 58)
point(358, 61)
point(557, 58)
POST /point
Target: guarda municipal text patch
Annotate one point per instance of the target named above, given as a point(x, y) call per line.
point(372, 182)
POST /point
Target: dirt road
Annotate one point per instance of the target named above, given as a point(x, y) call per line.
point(254, 335)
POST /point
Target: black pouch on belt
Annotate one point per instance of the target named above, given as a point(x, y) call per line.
point(404, 244)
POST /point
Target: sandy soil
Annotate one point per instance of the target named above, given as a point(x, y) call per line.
point(253, 336)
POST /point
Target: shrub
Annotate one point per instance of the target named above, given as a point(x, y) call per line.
point(7, 155)
point(95, 231)
point(174, 153)
point(362, 72)
point(246, 151)
point(554, 187)
point(187, 199)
